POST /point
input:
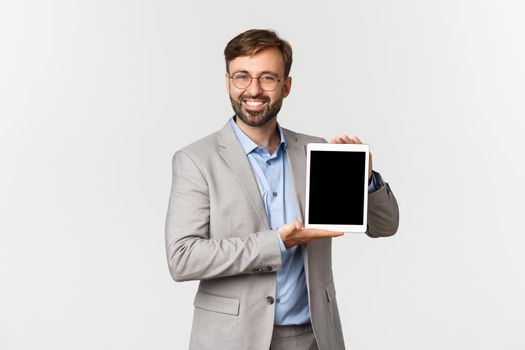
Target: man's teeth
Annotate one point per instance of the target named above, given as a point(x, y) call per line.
point(254, 103)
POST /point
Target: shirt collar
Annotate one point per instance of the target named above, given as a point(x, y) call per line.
point(247, 143)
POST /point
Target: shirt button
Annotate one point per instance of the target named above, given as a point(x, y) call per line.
point(270, 300)
point(277, 300)
point(274, 194)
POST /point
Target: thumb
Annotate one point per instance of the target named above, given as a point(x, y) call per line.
point(298, 225)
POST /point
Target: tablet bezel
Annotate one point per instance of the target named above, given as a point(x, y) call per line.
point(338, 148)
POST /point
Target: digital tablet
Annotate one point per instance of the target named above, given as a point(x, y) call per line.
point(337, 187)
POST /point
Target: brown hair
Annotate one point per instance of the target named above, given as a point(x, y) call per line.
point(254, 40)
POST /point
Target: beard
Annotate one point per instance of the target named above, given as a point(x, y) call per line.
point(256, 118)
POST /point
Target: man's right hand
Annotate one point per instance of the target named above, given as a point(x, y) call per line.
point(294, 234)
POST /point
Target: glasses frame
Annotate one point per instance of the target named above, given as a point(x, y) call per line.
point(256, 78)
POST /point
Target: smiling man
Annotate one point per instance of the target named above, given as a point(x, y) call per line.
point(235, 218)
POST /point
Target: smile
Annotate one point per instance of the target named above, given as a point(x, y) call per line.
point(253, 104)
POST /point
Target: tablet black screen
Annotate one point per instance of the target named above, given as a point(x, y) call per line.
point(336, 187)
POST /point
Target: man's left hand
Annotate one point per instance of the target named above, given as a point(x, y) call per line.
point(354, 139)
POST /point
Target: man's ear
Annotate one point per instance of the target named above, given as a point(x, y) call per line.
point(227, 77)
point(287, 86)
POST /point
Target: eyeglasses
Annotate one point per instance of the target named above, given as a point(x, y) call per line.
point(268, 82)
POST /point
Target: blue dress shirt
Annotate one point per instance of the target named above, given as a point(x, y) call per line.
point(275, 182)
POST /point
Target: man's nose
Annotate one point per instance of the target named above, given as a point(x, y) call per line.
point(255, 87)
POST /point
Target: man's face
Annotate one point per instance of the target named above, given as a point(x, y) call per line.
point(254, 106)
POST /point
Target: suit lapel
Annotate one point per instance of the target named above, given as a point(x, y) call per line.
point(296, 152)
point(234, 156)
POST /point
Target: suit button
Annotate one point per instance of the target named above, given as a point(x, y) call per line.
point(270, 300)
point(268, 268)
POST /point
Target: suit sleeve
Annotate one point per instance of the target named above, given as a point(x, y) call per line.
point(383, 211)
point(194, 255)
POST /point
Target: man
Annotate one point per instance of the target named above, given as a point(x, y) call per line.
point(235, 213)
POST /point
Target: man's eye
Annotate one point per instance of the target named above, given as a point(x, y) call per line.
point(241, 77)
point(268, 78)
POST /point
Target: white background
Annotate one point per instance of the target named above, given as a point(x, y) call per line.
point(96, 96)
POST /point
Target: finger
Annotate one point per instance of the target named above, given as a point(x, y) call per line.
point(324, 233)
point(347, 139)
point(298, 225)
point(338, 139)
point(356, 140)
point(344, 139)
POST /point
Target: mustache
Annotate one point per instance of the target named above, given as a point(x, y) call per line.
point(256, 97)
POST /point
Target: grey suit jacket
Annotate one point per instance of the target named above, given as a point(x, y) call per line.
point(217, 232)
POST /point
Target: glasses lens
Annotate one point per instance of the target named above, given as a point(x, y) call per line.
point(268, 82)
point(241, 80)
